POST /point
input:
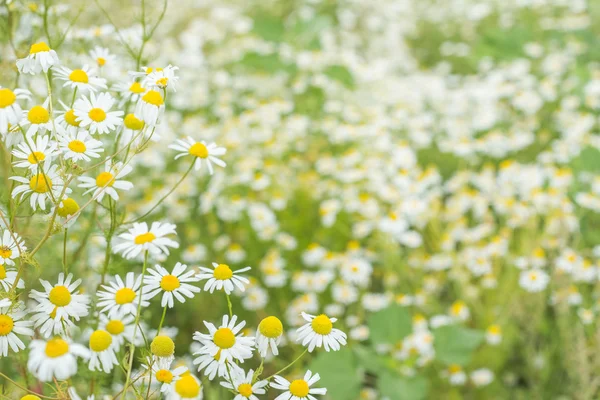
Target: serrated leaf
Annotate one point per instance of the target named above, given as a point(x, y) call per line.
point(339, 374)
point(390, 325)
point(454, 344)
point(395, 387)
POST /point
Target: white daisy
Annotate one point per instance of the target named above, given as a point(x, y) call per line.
point(133, 127)
point(201, 151)
point(129, 92)
point(222, 277)
point(61, 299)
point(171, 285)
point(10, 111)
point(66, 120)
point(534, 280)
point(241, 384)
point(37, 119)
point(103, 357)
point(11, 246)
point(121, 328)
point(211, 365)
point(107, 181)
point(319, 332)
point(83, 79)
point(40, 58)
point(46, 184)
point(121, 298)
point(94, 113)
point(33, 151)
point(186, 388)
point(11, 324)
point(139, 238)
point(161, 78)
point(79, 145)
point(102, 56)
point(268, 335)
point(225, 342)
point(150, 107)
point(164, 375)
point(299, 389)
point(55, 358)
point(7, 278)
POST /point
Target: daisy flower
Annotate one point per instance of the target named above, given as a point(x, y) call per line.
point(241, 384)
point(66, 120)
point(319, 331)
point(121, 298)
point(222, 277)
point(107, 181)
point(55, 358)
point(67, 208)
point(46, 184)
point(211, 365)
point(534, 280)
point(201, 151)
point(40, 58)
point(150, 107)
point(79, 146)
point(225, 341)
point(83, 79)
point(10, 111)
point(33, 151)
point(120, 327)
point(139, 238)
point(11, 324)
point(48, 325)
point(129, 92)
point(174, 284)
point(11, 246)
point(37, 119)
point(133, 128)
point(299, 389)
point(164, 375)
point(103, 357)
point(161, 78)
point(7, 279)
point(61, 299)
point(188, 387)
point(102, 56)
point(94, 113)
point(268, 335)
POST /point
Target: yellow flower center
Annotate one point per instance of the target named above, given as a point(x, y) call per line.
point(30, 397)
point(133, 123)
point(100, 340)
point(115, 327)
point(101, 61)
point(36, 157)
point(105, 179)
point(77, 146)
point(79, 75)
point(162, 81)
point(38, 115)
point(56, 347)
point(6, 325)
point(71, 118)
point(60, 296)
point(124, 296)
point(245, 389)
point(222, 272)
point(187, 387)
point(144, 238)
point(136, 88)
point(270, 327)
point(7, 97)
point(162, 346)
point(5, 252)
point(169, 283)
point(69, 207)
point(199, 150)
point(38, 48)
point(154, 98)
point(97, 114)
point(164, 376)
point(322, 324)
point(299, 388)
point(224, 338)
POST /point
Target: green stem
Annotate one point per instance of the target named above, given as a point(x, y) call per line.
point(289, 365)
point(65, 251)
point(229, 305)
point(162, 319)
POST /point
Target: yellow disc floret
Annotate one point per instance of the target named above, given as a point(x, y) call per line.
point(68, 207)
point(187, 387)
point(38, 115)
point(36, 157)
point(322, 324)
point(38, 48)
point(162, 346)
point(97, 114)
point(7, 97)
point(222, 272)
point(199, 150)
point(124, 296)
point(133, 123)
point(245, 389)
point(71, 118)
point(164, 376)
point(6, 324)
point(60, 296)
point(169, 283)
point(144, 238)
point(79, 75)
point(56, 347)
point(100, 340)
point(153, 97)
point(115, 327)
point(2, 270)
point(40, 183)
point(224, 338)
point(270, 327)
point(299, 388)
point(105, 179)
point(77, 146)
point(30, 397)
point(136, 88)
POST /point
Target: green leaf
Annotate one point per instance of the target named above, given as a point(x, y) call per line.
point(339, 374)
point(369, 359)
point(390, 325)
point(455, 344)
point(268, 27)
point(588, 160)
point(341, 74)
point(403, 388)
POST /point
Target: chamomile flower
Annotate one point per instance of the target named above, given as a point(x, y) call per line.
point(68, 210)
point(10, 110)
point(37, 119)
point(102, 56)
point(299, 389)
point(121, 298)
point(186, 388)
point(164, 375)
point(7, 278)
point(102, 352)
point(61, 299)
point(140, 238)
point(268, 335)
point(44, 185)
point(129, 92)
point(11, 247)
point(161, 78)
point(40, 58)
point(534, 280)
point(66, 120)
point(227, 341)
point(221, 277)
point(83, 79)
point(163, 349)
point(241, 384)
point(121, 327)
point(134, 128)
point(11, 325)
point(55, 358)
point(201, 151)
point(174, 284)
point(319, 332)
point(211, 365)
point(79, 145)
point(33, 151)
point(150, 107)
point(107, 182)
point(94, 113)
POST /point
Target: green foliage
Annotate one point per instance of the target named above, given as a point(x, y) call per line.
point(455, 344)
point(390, 325)
point(339, 373)
point(403, 388)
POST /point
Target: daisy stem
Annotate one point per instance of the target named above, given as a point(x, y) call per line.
point(65, 251)
point(289, 365)
point(137, 320)
point(162, 319)
point(25, 389)
point(229, 305)
point(74, 94)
